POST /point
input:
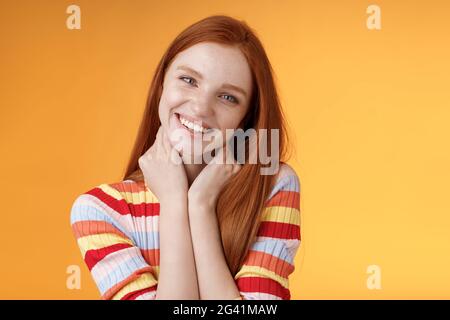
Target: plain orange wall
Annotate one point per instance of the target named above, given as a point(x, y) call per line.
point(369, 111)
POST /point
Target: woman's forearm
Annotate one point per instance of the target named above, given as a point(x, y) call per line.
point(177, 277)
point(214, 277)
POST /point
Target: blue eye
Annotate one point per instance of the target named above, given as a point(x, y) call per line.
point(233, 99)
point(188, 78)
point(192, 81)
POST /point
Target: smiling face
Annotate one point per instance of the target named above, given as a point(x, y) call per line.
point(207, 89)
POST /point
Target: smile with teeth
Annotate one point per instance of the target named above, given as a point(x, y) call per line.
point(192, 126)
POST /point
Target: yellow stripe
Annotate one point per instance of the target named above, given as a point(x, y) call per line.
point(128, 196)
point(139, 197)
point(98, 241)
point(156, 269)
point(255, 271)
point(282, 214)
point(145, 280)
point(110, 191)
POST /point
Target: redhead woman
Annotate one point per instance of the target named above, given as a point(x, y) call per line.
point(178, 226)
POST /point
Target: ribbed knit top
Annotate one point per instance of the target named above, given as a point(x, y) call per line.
point(117, 230)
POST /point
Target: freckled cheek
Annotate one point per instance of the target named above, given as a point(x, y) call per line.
point(228, 120)
point(170, 99)
point(174, 95)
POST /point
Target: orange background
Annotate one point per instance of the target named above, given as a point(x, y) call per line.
point(369, 111)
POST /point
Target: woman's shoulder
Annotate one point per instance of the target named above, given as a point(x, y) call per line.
point(123, 197)
point(129, 188)
point(286, 170)
point(287, 179)
point(116, 189)
point(281, 216)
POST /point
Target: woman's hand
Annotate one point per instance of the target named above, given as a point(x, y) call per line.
point(206, 188)
point(163, 170)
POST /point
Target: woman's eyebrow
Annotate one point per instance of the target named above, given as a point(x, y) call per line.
point(188, 69)
point(233, 87)
point(200, 76)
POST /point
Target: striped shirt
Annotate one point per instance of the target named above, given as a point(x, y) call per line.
point(116, 228)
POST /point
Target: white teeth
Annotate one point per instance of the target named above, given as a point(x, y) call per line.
point(192, 126)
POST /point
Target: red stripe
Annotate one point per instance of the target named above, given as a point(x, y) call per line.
point(134, 187)
point(263, 285)
point(270, 262)
point(134, 294)
point(95, 255)
point(124, 208)
point(151, 256)
point(279, 230)
point(115, 288)
point(290, 199)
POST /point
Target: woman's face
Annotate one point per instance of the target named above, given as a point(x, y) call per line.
point(209, 85)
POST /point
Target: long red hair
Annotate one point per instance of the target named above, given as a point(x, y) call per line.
point(242, 199)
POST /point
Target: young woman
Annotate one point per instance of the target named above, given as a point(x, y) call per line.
point(177, 227)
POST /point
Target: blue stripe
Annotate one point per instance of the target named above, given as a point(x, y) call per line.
point(86, 212)
point(146, 239)
point(82, 211)
point(287, 183)
point(273, 247)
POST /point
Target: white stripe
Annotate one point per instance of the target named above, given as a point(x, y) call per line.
point(147, 296)
point(103, 267)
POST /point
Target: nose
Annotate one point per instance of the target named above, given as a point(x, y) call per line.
point(202, 107)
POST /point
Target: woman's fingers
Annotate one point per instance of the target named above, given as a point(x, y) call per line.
point(173, 153)
point(166, 142)
point(231, 161)
point(218, 157)
point(159, 136)
point(164, 150)
point(229, 156)
point(150, 153)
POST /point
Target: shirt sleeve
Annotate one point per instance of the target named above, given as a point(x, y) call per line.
point(100, 220)
point(265, 272)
